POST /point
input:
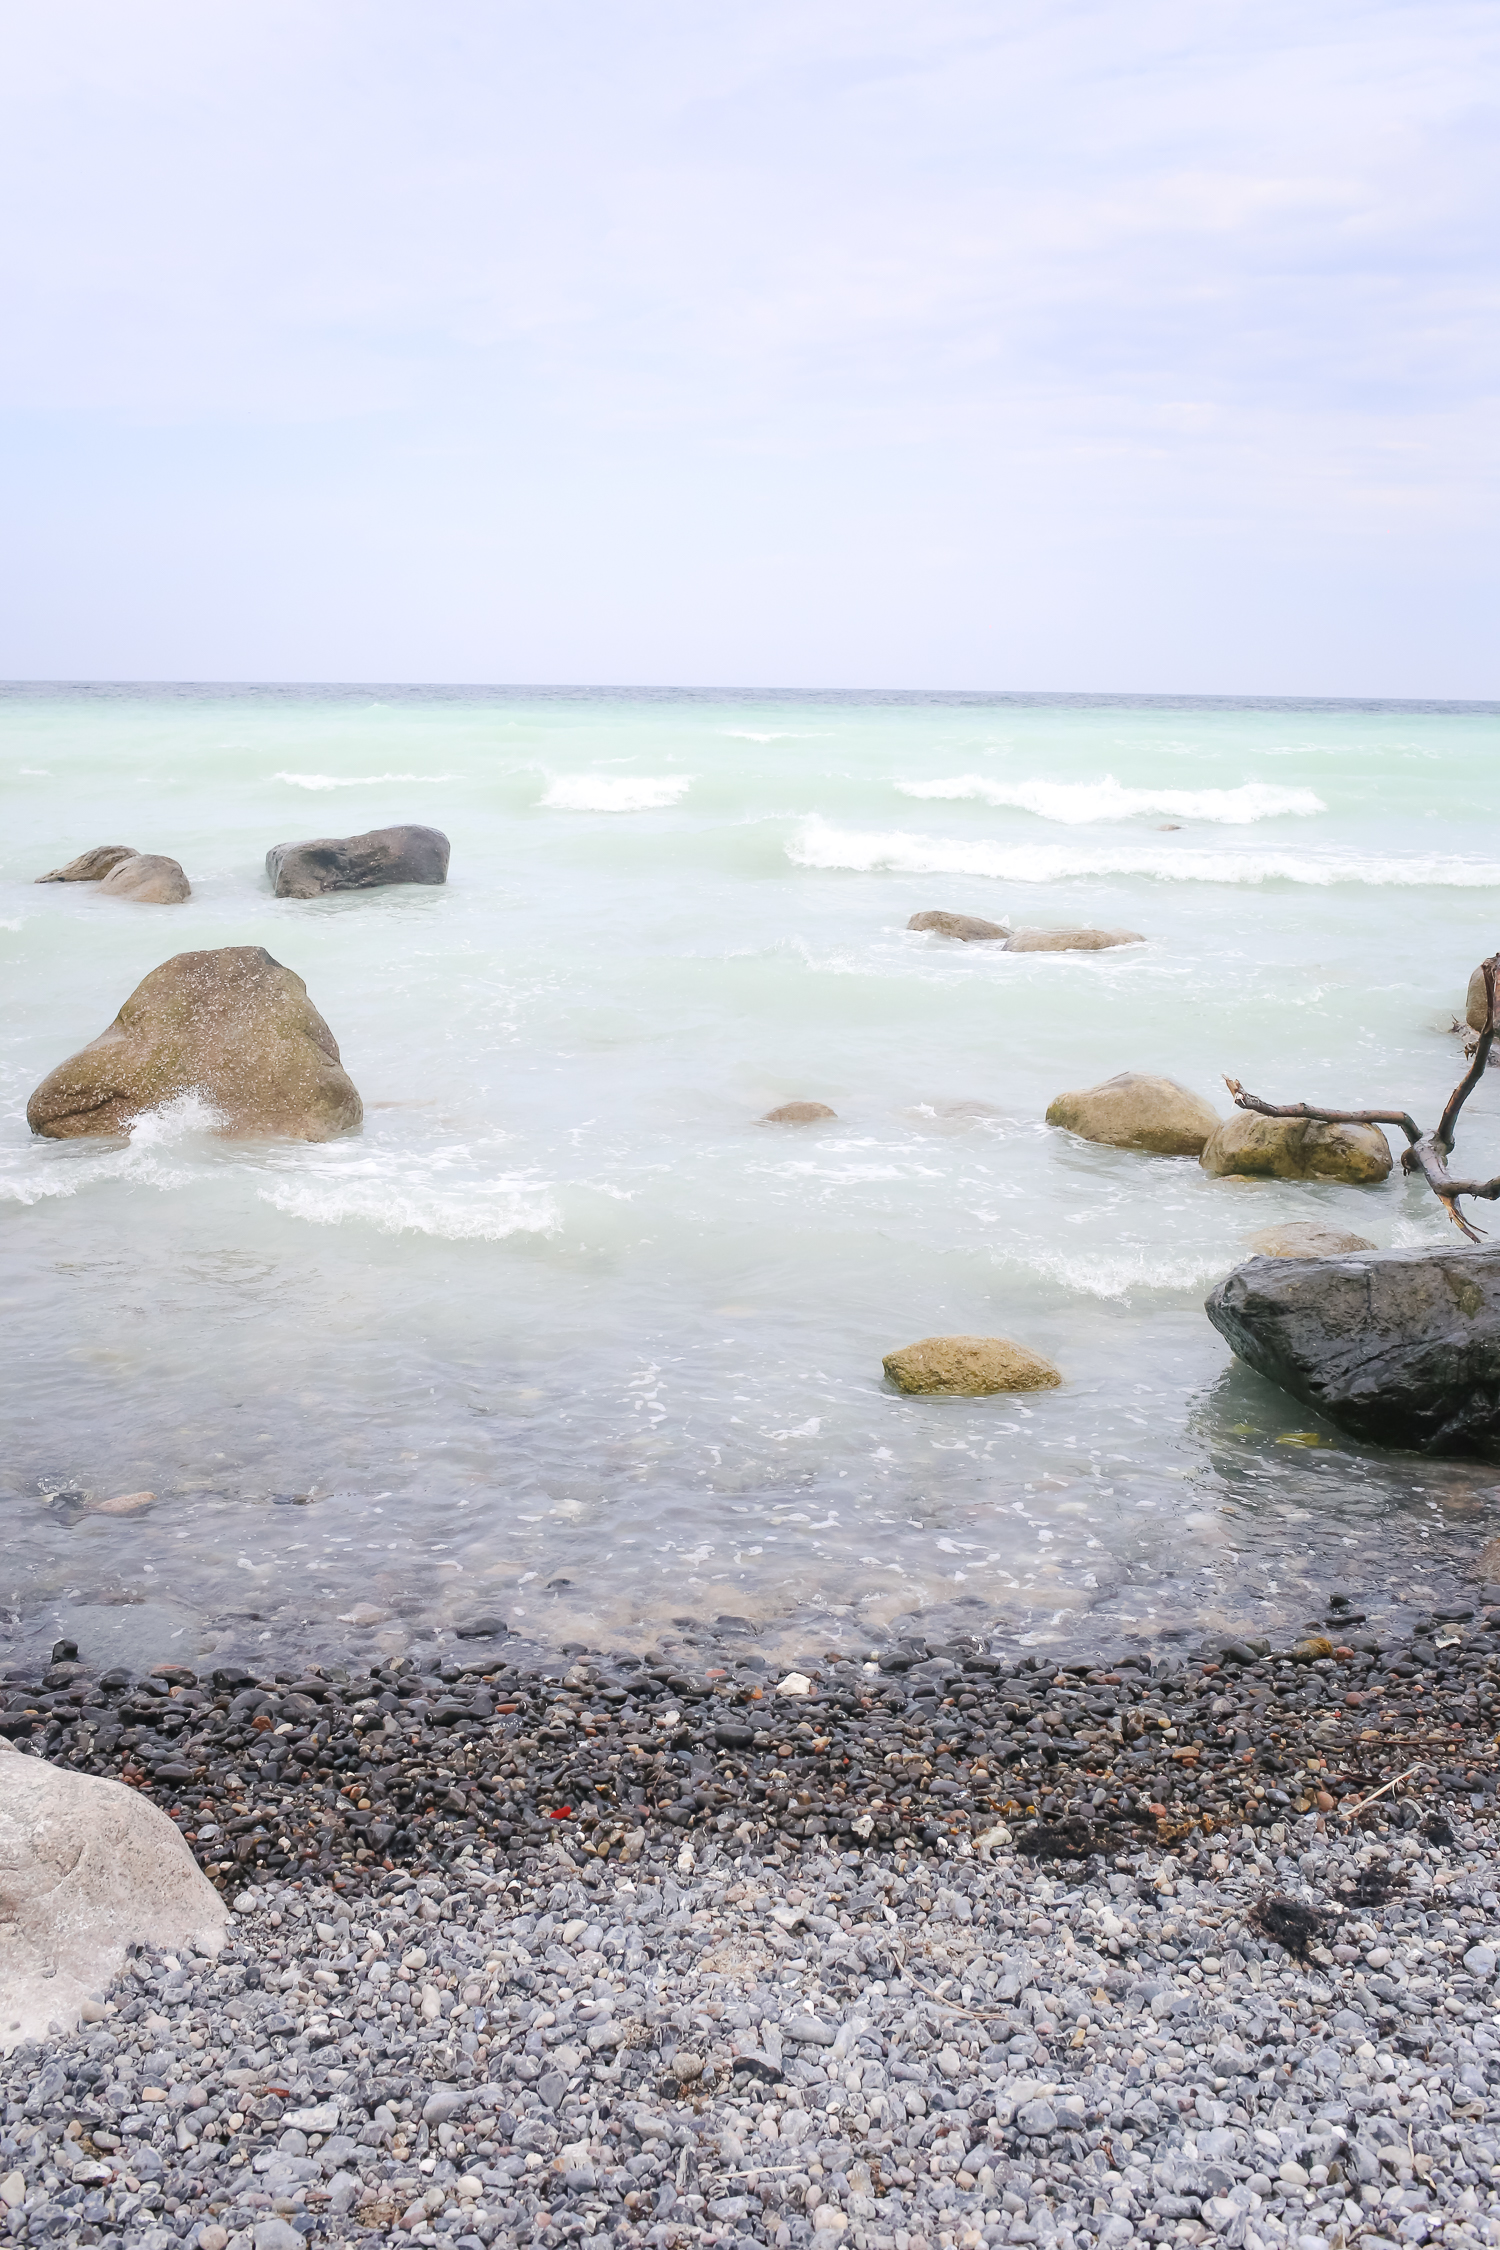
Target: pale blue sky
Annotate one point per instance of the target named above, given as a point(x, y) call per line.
point(804, 343)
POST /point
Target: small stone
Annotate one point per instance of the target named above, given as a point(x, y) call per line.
point(275, 2234)
point(212, 2238)
point(1480, 1961)
point(969, 1367)
point(123, 1504)
point(799, 1113)
point(1037, 2117)
point(809, 2030)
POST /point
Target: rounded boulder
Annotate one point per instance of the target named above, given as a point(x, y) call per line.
point(149, 878)
point(409, 854)
point(232, 1026)
point(1069, 941)
point(969, 1367)
point(969, 927)
point(1305, 1238)
point(1476, 1006)
point(91, 866)
point(799, 1113)
point(1296, 1148)
point(1155, 1115)
point(87, 1868)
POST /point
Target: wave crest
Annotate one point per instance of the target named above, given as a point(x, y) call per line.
point(597, 792)
point(865, 852)
point(1076, 802)
point(354, 780)
point(479, 1211)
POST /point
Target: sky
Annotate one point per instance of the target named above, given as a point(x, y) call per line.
point(798, 343)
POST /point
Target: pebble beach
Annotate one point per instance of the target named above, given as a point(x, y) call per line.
point(947, 1948)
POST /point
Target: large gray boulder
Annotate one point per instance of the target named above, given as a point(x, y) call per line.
point(358, 863)
point(87, 1868)
point(1398, 1347)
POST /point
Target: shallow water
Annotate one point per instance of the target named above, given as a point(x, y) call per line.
point(565, 1336)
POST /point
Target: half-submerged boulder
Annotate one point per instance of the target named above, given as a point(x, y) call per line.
point(799, 1113)
point(1305, 1238)
point(233, 1026)
point(149, 878)
point(1398, 1347)
point(1069, 941)
point(411, 854)
point(1155, 1115)
point(969, 927)
point(1297, 1148)
point(88, 1868)
point(91, 866)
point(969, 1367)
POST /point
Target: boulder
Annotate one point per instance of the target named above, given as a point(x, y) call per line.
point(1296, 1148)
point(87, 1868)
point(965, 926)
point(233, 1026)
point(969, 1367)
point(91, 866)
point(1137, 1111)
point(358, 863)
point(1069, 941)
point(1475, 1004)
point(149, 878)
point(1398, 1347)
point(1305, 1238)
point(798, 1113)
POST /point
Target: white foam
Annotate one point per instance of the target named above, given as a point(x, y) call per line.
point(865, 851)
point(475, 1211)
point(1076, 802)
point(1122, 1276)
point(598, 792)
point(354, 780)
point(39, 1177)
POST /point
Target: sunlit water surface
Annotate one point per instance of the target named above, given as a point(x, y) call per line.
point(565, 1337)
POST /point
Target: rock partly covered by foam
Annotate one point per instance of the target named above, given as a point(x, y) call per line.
point(1296, 1148)
point(799, 1113)
point(1398, 1347)
point(1138, 1111)
point(1305, 1238)
point(91, 866)
point(232, 1026)
point(410, 854)
point(1069, 941)
point(87, 1868)
point(965, 926)
point(148, 878)
point(969, 1367)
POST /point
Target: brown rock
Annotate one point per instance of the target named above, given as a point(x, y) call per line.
point(965, 926)
point(1475, 1004)
point(410, 854)
point(92, 866)
point(798, 1113)
point(1155, 1115)
point(969, 1367)
point(149, 879)
point(1296, 1148)
point(1069, 941)
point(232, 1025)
point(1304, 1238)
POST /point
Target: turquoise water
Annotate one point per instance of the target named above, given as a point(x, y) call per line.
point(566, 1336)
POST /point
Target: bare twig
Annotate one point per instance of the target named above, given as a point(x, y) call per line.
point(1352, 1812)
point(1427, 1153)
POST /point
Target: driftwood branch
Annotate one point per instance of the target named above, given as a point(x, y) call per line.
point(1427, 1153)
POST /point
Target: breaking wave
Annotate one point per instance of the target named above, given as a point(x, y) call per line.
point(473, 1211)
point(354, 780)
point(1076, 802)
point(597, 792)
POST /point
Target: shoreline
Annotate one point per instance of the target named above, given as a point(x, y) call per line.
point(684, 2024)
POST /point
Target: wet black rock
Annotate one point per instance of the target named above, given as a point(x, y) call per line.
point(1398, 1347)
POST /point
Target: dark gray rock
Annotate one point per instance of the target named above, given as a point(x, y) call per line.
point(1398, 1347)
point(358, 863)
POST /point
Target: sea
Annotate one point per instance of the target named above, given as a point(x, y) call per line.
point(567, 1342)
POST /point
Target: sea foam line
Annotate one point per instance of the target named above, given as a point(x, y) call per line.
point(354, 780)
point(1075, 802)
point(863, 851)
point(479, 1211)
point(597, 792)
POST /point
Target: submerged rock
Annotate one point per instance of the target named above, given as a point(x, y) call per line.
point(1305, 1238)
point(411, 854)
point(969, 927)
point(91, 866)
point(1297, 1148)
point(1069, 941)
point(969, 1367)
point(87, 1868)
point(1137, 1111)
point(231, 1025)
point(1398, 1347)
point(798, 1113)
point(149, 878)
